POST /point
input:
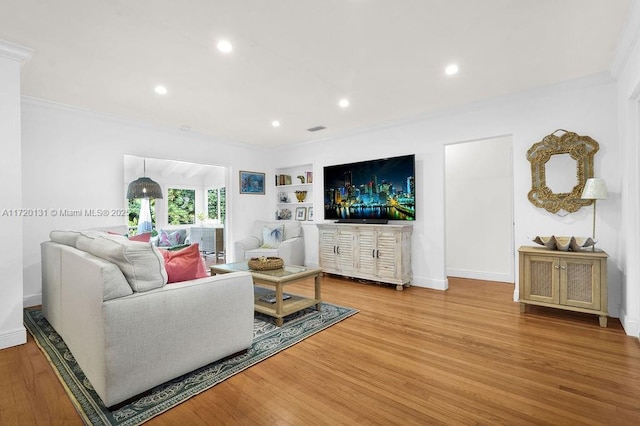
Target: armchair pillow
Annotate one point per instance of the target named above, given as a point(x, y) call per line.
point(272, 236)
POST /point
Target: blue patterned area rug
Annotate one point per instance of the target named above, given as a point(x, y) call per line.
point(267, 341)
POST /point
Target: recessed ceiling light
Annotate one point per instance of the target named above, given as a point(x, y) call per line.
point(451, 69)
point(275, 123)
point(224, 46)
point(343, 103)
point(160, 90)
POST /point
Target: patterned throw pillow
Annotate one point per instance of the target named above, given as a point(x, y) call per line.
point(169, 239)
point(272, 237)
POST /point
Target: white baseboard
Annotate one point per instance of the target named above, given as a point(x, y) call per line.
point(32, 300)
point(481, 275)
point(630, 325)
point(430, 283)
point(11, 338)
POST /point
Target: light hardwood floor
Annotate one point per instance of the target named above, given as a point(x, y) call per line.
point(463, 356)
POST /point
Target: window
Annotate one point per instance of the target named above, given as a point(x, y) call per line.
point(223, 204)
point(216, 203)
point(212, 204)
point(181, 206)
point(136, 225)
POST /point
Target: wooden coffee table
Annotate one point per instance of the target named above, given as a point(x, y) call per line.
point(276, 280)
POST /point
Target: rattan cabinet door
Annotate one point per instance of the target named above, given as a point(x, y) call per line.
point(580, 283)
point(541, 279)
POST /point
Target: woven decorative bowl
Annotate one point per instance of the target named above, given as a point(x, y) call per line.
point(265, 263)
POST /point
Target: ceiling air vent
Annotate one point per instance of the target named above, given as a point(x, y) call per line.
point(316, 129)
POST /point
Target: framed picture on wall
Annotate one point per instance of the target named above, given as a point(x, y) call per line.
point(301, 213)
point(310, 213)
point(251, 183)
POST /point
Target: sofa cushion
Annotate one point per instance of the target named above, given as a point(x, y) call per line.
point(64, 236)
point(141, 263)
point(114, 283)
point(87, 237)
point(185, 264)
point(272, 236)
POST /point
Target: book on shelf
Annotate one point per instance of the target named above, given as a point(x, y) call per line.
point(283, 179)
point(309, 177)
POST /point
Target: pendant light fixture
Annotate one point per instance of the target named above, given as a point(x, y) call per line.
point(144, 187)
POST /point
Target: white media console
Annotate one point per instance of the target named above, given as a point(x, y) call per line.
point(372, 252)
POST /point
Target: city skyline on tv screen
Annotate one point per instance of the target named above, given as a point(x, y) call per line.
point(374, 189)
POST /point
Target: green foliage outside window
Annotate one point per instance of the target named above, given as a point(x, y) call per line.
point(216, 204)
point(212, 203)
point(181, 209)
point(223, 204)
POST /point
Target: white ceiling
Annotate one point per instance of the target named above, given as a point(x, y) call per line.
point(173, 172)
point(294, 59)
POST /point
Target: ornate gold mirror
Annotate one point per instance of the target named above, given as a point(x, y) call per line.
point(560, 166)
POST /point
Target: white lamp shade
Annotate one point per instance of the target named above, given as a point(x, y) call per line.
point(595, 189)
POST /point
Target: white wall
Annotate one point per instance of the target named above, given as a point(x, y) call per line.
point(587, 107)
point(479, 209)
point(12, 332)
point(626, 68)
point(73, 159)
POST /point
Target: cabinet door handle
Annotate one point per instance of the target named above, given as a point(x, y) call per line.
point(563, 267)
point(378, 254)
point(373, 253)
point(556, 266)
point(334, 249)
point(338, 249)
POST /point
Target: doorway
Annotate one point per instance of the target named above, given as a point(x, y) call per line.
point(194, 196)
point(479, 209)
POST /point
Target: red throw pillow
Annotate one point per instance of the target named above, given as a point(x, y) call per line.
point(145, 238)
point(184, 265)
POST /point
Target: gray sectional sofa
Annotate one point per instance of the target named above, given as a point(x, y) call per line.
point(128, 330)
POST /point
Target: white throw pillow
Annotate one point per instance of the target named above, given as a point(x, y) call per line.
point(141, 263)
point(272, 236)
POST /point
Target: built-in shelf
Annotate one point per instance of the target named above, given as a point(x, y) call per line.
point(287, 183)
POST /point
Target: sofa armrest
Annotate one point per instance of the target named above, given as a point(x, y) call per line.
point(292, 250)
point(247, 243)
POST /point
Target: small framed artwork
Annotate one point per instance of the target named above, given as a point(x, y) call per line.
point(283, 197)
point(301, 213)
point(251, 183)
point(310, 213)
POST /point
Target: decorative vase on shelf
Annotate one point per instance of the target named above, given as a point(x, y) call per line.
point(301, 195)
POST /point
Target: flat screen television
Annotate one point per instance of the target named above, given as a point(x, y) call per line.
point(373, 191)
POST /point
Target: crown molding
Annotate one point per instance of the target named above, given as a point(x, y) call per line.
point(628, 39)
point(15, 51)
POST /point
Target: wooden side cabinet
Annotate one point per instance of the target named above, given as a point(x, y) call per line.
point(570, 280)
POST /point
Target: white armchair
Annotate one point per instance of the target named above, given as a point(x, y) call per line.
point(291, 249)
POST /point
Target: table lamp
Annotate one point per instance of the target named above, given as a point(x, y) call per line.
point(594, 189)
